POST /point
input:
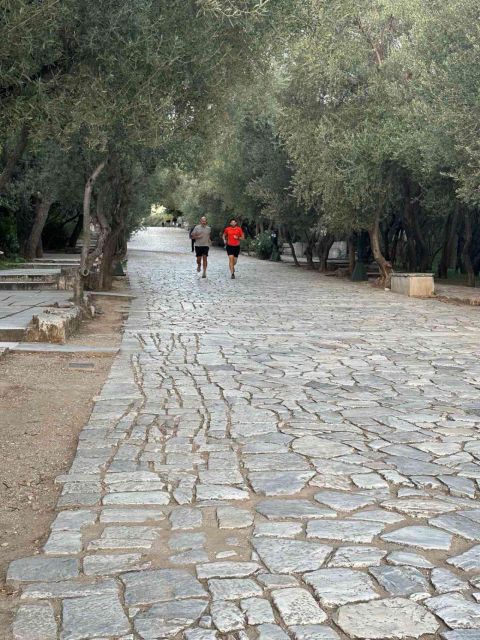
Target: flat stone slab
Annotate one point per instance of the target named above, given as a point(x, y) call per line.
point(291, 556)
point(35, 622)
point(456, 611)
point(357, 557)
point(298, 509)
point(384, 619)
point(339, 586)
point(168, 619)
point(147, 587)
point(468, 561)
point(312, 446)
point(39, 569)
point(421, 537)
point(298, 606)
point(94, 616)
point(344, 530)
point(343, 501)
point(402, 581)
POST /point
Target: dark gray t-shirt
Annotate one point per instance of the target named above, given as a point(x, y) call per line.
point(203, 238)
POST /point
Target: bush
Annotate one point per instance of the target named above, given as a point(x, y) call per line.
point(263, 246)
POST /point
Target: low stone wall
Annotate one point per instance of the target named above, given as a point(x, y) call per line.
point(417, 285)
point(54, 324)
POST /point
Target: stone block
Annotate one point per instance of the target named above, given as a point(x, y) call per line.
point(415, 285)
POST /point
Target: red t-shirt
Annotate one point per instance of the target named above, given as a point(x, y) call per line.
point(234, 235)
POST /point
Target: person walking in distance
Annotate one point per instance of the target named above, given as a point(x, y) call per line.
point(201, 234)
point(232, 236)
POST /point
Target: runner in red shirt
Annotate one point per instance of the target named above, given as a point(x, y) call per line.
point(231, 237)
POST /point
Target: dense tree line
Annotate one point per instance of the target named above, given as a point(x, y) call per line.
point(345, 119)
point(366, 122)
point(97, 97)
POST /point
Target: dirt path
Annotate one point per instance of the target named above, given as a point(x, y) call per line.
point(45, 400)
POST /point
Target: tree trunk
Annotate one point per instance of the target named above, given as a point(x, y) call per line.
point(109, 253)
point(39, 251)
point(77, 230)
point(351, 254)
point(13, 157)
point(418, 252)
point(309, 250)
point(467, 245)
point(84, 269)
point(292, 248)
point(42, 207)
point(323, 248)
point(448, 244)
point(384, 266)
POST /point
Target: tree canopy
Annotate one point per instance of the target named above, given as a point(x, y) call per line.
point(321, 120)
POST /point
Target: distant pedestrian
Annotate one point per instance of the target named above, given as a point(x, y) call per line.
point(232, 236)
point(201, 234)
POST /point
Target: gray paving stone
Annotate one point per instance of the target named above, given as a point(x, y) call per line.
point(402, 581)
point(298, 509)
point(227, 569)
point(279, 483)
point(406, 558)
point(291, 556)
point(377, 515)
point(257, 611)
point(358, 557)
point(419, 507)
point(227, 616)
point(271, 632)
point(468, 561)
point(160, 585)
point(339, 586)
point(278, 529)
point(234, 588)
point(276, 581)
point(420, 536)
point(461, 634)
point(137, 498)
point(458, 525)
point(456, 611)
point(103, 565)
point(185, 518)
point(384, 619)
point(446, 581)
point(312, 446)
point(69, 589)
point(39, 569)
point(168, 619)
point(35, 622)
point(200, 634)
point(344, 530)
point(314, 632)
point(343, 501)
point(297, 606)
point(220, 492)
point(93, 616)
point(234, 518)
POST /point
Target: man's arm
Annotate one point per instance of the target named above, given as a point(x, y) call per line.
point(224, 237)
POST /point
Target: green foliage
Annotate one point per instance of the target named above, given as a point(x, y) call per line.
point(263, 246)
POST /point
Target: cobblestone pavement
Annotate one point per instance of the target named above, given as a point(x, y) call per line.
point(280, 456)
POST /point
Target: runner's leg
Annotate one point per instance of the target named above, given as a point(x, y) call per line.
point(205, 263)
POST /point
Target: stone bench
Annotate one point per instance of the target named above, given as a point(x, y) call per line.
point(417, 285)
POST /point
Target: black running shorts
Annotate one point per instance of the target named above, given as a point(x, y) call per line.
point(201, 251)
point(233, 251)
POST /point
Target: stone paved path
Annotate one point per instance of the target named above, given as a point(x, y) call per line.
point(280, 456)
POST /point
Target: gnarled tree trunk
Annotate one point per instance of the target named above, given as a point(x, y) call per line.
point(384, 266)
point(85, 262)
point(467, 245)
point(448, 244)
point(42, 207)
point(292, 248)
point(351, 254)
point(323, 249)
